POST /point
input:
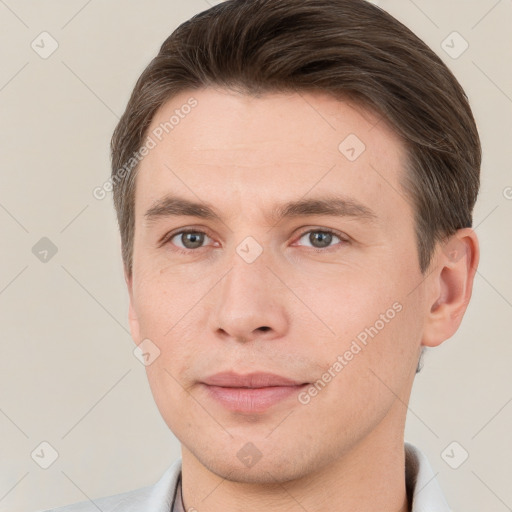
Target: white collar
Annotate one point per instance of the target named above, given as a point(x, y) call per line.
point(427, 494)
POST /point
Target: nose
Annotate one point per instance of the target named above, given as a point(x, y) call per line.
point(250, 303)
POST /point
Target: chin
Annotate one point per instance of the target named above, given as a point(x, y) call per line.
point(274, 469)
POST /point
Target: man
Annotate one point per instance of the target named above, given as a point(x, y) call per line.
point(294, 184)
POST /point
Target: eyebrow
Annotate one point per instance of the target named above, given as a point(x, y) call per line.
point(336, 206)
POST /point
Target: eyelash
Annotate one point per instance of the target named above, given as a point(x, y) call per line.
point(171, 235)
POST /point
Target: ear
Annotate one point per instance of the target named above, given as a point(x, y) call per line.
point(132, 315)
point(452, 284)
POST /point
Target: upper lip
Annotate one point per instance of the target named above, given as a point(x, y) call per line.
point(249, 380)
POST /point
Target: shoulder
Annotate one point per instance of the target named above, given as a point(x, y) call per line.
point(118, 502)
point(157, 497)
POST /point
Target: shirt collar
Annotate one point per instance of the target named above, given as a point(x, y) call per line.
point(427, 495)
point(422, 486)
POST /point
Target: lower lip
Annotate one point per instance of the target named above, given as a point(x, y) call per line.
point(252, 400)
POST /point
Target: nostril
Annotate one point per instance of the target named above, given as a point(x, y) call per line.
point(264, 328)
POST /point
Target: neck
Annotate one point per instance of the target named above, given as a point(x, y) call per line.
point(369, 476)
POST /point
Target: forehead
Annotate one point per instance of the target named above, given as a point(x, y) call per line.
point(225, 146)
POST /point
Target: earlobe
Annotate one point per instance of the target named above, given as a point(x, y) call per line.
point(132, 314)
point(457, 261)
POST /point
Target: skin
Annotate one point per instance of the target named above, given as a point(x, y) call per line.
point(343, 450)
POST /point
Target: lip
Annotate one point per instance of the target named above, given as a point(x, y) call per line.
point(250, 393)
point(249, 380)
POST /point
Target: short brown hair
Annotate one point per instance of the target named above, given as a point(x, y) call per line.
point(348, 48)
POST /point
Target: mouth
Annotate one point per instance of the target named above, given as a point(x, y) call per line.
point(250, 393)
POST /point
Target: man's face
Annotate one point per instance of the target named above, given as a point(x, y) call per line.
point(252, 292)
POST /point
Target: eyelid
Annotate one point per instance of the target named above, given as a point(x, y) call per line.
point(169, 236)
point(342, 236)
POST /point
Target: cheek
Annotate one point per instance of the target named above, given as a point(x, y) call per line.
point(169, 374)
point(390, 350)
point(377, 333)
point(353, 302)
point(160, 303)
point(363, 374)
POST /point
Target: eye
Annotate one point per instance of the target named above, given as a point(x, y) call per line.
point(190, 240)
point(187, 241)
point(321, 239)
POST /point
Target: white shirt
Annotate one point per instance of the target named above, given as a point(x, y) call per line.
point(160, 497)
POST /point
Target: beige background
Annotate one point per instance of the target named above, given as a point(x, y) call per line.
point(68, 375)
